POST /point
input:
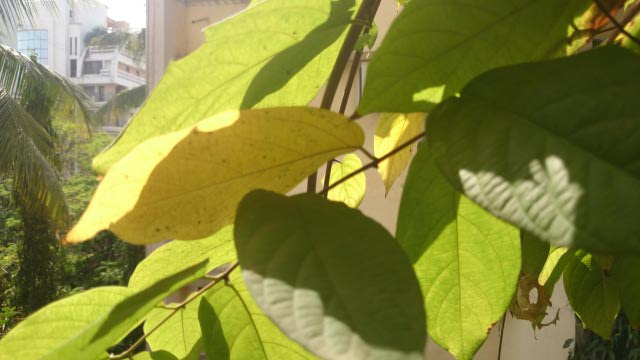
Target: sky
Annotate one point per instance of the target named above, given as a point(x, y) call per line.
point(132, 11)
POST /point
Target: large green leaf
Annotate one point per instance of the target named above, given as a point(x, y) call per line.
point(435, 47)
point(626, 274)
point(592, 293)
point(276, 53)
point(331, 278)
point(233, 327)
point(179, 334)
point(466, 260)
point(187, 184)
point(86, 325)
point(59, 322)
point(534, 254)
point(177, 255)
point(551, 150)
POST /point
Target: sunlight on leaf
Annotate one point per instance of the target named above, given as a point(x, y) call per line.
point(350, 192)
point(391, 131)
point(187, 184)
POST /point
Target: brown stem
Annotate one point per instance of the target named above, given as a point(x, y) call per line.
point(615, 22)
point(363, 19)
point(174, 310)
point(374, 163)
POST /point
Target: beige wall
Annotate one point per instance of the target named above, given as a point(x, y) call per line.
point(520, 342)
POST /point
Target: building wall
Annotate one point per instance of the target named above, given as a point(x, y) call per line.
point(174, 35)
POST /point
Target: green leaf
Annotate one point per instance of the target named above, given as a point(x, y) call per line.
point(536, 144)
point(626, 272)
point(591, 293)
point(350, 192)
point(59, 322)
point(180, 335)
point(187, 185)
point(275, 53)
point(233, 327)
point(534, 254)
point(177, 255)
point(554, 267)
point(157, 355)
point(331, 278)
point(392, 131)
point(84, 326)
point(435, 47)
point(466, 260)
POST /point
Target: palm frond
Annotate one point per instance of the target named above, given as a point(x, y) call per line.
point(124, 101)
point(15, 13)
point(24, 145)
point(20, 75)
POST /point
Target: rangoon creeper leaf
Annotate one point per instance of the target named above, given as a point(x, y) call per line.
point(435, 47)
point(329, 277)
point(534, 254)
point(187, 184)
point(554, 267)
point(350, 192)
point(592, 293)
point(535, 144)
point(392, 131)
point(84, 326)
point(177, 255)
point(233, 327)
point(626, 274)
point(467, 261)
point(275, 53)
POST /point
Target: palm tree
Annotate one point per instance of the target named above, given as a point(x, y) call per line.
point(31, 97)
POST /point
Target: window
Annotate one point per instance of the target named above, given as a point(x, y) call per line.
point(76, 45)
point(74, 68)
point(70, 46)
point(34, 43)
point(92, 67)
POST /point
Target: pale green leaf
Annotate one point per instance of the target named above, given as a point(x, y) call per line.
point(275, 53)
point(626, 274)
point(392, 131)
point(176, 255)
point(179, 335)
point(634, 29)
point(59, 322)
point(536, 144)
point(233, 327)
point(435, 47)
point(466, 260)
point(591, 293)
point(331, 278)
point(350, 192)
point(554, 266)
point(187, 185)
point(84, 326)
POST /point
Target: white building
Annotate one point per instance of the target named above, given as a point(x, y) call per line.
point(60, 42)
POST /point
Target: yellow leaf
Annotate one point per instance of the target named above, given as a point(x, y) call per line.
point(393, 130)
point(351, 192)
point(187, 184)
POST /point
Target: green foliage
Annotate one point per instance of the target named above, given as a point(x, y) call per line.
point(540, 156)
point(529, 173)
point(314, 293)
point(467, 261)
point(283, 62)
point(234, 327)
point(434, 48)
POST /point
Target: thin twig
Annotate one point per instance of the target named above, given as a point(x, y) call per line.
point(615, 22)
point(504, 322)
point(224, 276)
point(627, 19)
point(363, 18)
point(373, 164)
